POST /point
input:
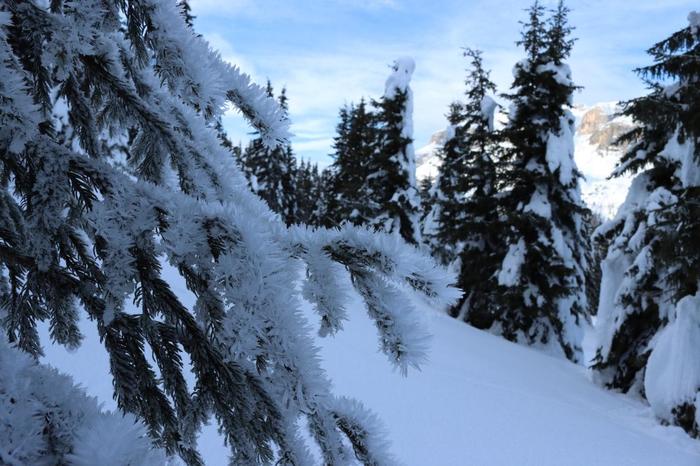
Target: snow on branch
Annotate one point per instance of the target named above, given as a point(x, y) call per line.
point(694, 20)
point(400, 78)
point(200, 77)
point(381, 267)
point(363, 429)
point(89, 234)
point(46, 419)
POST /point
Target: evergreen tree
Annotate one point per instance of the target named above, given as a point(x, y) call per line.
point(468, 224)
point(353, 151)
point(341, 173)
point(649, 309)
point(542, 277)
point(430, 213)
point(271, 171)
point(83, 235)
point(309, 194)
point(425, 189)
point(323, 196)
point(394, 201)
point(432, 223)
point(599, 249)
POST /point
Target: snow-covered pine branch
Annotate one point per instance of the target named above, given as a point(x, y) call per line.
point(381, 267)
point(197, 74)
point(43, 415)
point(84, 232)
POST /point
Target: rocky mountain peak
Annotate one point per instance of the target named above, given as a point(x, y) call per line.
point(603, 126)
point(597, 128)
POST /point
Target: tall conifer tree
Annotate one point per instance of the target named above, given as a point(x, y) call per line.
point(391, 181)
point(649, 309)
point(468, 227)
point(354, 147)
point(542, 277)
point(310, 194)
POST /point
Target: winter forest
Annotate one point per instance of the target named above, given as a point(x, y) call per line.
point(522, 290)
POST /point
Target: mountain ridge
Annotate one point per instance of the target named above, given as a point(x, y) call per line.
point(597, 127)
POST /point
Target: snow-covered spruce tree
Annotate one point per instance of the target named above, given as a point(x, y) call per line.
point(434, 197)
point(304, 202)
point(394, 201)
point(309, 194)
point(337, 208)
point(599, 249)
point(649, 309)
point(542, 277)
point(325, 178)
point(468, 224)
point(353, 149)
point(271, 170)
point(81, 234)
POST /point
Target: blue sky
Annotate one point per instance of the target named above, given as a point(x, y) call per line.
point(331, 52)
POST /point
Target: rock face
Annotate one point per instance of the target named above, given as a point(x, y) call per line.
point(427, 159)
point(597, 128)
point(596, 154)
point(592, 120)
point(602, 127)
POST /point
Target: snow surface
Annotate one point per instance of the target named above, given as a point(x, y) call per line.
point(488, 110)
point(478, 400)
point(400, 78)
point(539, 204)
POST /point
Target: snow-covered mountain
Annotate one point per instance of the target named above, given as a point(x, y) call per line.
point(597, 127)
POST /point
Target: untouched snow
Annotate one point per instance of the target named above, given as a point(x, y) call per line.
point(400, 78)
point(484, 401)
point(478, 400)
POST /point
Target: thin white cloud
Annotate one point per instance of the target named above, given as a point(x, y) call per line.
point(325, 72)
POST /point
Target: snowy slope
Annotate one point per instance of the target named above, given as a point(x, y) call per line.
point(478, 400)
point(481, 400)
point(596, 128)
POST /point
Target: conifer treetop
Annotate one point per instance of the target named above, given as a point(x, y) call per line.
point(400, 78)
